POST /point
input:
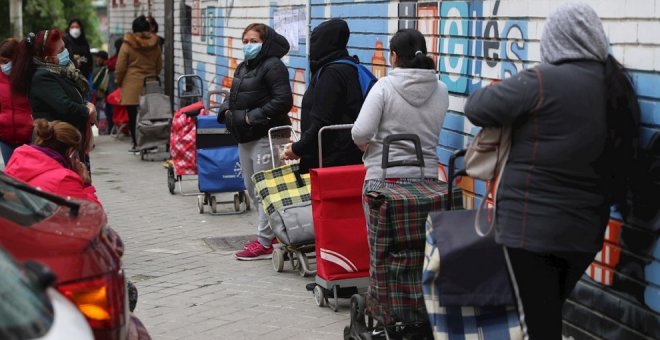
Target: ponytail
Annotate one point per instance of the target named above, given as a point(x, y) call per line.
point(410, 48)
point(421, 60)
point(56, 135)
point(623, 123)
point(20, 78)
point(33, 46)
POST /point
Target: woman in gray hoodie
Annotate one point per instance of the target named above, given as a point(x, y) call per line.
point(410, 99)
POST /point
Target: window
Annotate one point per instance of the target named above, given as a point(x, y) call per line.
point(25, 311)
point(21, 206)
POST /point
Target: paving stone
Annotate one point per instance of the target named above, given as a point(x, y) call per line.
point(188, 289)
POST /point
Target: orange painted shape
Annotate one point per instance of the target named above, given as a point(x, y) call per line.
point(378, 62)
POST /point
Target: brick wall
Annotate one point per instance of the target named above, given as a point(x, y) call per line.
point(473, 42)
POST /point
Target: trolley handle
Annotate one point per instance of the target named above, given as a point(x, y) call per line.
point(223, 93)
point(329, 127)
point(294, 137)
point(386, 163)
point(452, 174)
point(152, 77)
point(181, 87)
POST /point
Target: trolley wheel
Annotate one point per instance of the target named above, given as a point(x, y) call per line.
point(142, 154)
point(301, 268)
point(213, 204)
point(278, 260)
point(171, 180)
point(245, 199)
point(358, 328)
point(200, 203)
point(358, 307)
point(237, 203)
point(319, 296)
point(294, 260)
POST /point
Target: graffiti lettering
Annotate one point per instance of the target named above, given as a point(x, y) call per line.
point(455, 46)
point(514, 49)
point(491, 47)
point(500, 55)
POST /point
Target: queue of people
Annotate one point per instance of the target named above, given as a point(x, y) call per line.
point(561, 139)
point(549, 240)
point(46, 101)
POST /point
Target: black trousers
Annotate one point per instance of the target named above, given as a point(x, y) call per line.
point(132, 121)
point(543, 282)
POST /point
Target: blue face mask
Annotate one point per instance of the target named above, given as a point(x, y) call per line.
point(64, 57)
point(6, 68)
point(251, 50)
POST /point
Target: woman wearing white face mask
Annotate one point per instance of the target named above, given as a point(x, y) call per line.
point(15, 112)
point(76, 42)
point(43, 71)
point(260, 99)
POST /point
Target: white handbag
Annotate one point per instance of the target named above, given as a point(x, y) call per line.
point(485, 159)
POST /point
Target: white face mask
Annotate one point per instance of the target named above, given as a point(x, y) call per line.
point(6, 68)
point(74, 32)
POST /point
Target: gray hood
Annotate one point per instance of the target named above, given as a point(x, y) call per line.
point(416, 86)
point(573, 32)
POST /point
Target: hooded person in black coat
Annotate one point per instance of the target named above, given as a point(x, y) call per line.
point(260, 90)
point(260, 99)
point(333, 97)
point(76, 43)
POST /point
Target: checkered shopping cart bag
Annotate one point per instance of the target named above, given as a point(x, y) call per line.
point(286, 199)
point(453, 312)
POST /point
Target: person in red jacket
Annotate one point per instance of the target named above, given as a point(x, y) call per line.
point(52, 162)
point(15, 112)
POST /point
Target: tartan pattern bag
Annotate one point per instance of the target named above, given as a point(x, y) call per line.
point(282, 187)
point(182, 141)
point(397, 215)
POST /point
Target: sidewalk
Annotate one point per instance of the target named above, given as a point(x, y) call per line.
point(187, 290)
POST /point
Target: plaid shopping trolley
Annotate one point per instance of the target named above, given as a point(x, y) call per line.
point(287, 202)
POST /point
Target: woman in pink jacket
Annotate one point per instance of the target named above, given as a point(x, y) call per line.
point(15, 112)
point(52, 163)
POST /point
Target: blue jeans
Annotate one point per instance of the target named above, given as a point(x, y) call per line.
point(6, 150)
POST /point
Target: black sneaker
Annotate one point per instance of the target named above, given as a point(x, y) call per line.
point(133, 149)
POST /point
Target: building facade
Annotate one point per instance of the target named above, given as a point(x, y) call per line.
point(473, 43)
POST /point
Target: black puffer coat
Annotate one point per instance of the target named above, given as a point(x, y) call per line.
point(80, 53)
point(333, 97)
point(260, 90)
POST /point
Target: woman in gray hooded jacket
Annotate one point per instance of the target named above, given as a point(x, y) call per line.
point(410, 99)
point(564, 168)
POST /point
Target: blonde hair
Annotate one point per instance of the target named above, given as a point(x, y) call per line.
point(56, 135)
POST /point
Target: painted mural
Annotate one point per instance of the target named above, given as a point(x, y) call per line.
point(473, 43)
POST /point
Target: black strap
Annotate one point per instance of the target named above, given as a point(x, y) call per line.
point(299, 180)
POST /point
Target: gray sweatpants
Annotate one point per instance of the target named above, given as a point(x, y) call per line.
point(255, 156)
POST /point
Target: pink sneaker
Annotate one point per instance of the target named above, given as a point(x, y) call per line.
point(246, 245)
point(255, 251)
